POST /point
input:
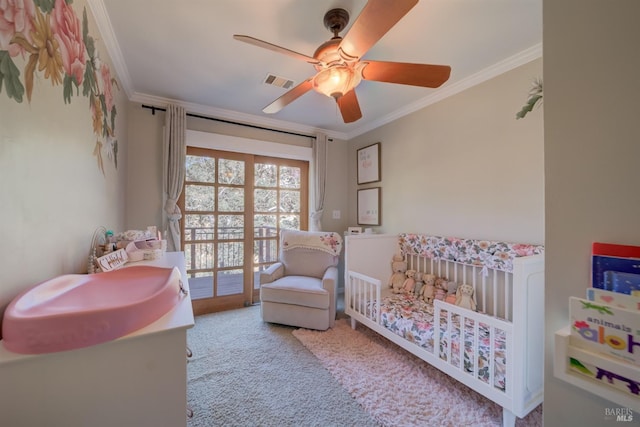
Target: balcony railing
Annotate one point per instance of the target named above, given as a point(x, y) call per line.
point(199, 252)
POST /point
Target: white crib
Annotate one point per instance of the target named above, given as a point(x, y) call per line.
point(510, 305)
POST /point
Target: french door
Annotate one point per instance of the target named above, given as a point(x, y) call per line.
point(234, 206)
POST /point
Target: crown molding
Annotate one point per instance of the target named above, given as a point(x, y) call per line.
point(488, 73)
point(220, 113)
point(113, 48)
point(111, 43)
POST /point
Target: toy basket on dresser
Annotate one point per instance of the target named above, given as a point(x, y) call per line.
point(497, 350)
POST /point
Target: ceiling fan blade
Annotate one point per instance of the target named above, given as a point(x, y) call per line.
point(375, 20)
point(349, 107)
point(289, 97)
point(275, 48)
point(424, 75)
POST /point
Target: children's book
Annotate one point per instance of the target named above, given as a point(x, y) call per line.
point(616, 274)
point(622, 376)
point(615, 299)
point(612, 249)
point(615, 267)
point(605, 329)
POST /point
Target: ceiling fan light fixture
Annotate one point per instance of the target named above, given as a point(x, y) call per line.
point(338, 61)
point(336, 81)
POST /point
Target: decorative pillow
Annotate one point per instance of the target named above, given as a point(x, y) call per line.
point(325, 241)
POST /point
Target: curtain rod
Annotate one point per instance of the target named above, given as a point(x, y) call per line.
point(154, 109)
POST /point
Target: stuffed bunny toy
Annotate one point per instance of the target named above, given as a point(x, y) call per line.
point(409, 284)
point(452, 288)
point(465, 297)
point(399, 269)
point(428, 289)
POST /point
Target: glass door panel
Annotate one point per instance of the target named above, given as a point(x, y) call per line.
point(231, 227)
point(199, 262)
point(231, 171)
point(234, 206)
point(214, 229)
point(199, 227)
point(265, 225)
point(279, 199)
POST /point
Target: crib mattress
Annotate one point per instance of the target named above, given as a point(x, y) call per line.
point(413, 319)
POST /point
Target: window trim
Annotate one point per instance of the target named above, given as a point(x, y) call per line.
point(238, 144)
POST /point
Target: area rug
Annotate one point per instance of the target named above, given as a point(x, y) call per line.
point(395, 387)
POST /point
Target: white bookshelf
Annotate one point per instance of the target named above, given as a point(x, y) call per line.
point(564, 350)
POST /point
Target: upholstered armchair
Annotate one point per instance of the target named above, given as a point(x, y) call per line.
point(300, 289)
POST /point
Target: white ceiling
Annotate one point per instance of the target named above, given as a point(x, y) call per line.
point(167, 51)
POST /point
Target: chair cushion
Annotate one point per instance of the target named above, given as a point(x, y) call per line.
point(307, 262)
point(296, 290)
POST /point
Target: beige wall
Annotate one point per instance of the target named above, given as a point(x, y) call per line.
point(144, 196)
point(464, 166)
point(53, 196)
point(592, 148)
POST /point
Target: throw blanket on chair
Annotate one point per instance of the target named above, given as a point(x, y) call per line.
point(328, 242)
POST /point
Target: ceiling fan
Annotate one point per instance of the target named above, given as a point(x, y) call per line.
point(338, 61)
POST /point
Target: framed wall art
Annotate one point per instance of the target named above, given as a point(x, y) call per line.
point(369, 164)
point(369, 206)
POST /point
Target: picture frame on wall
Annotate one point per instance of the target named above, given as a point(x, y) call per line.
point(369, 164)
point(369, 206)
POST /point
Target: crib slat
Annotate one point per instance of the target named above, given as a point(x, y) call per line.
point(484, 292)
point(447, 334)
point(495, 294)
point(354, 294)
point(436, 330)
point(377, 304)
point(507, 297)
point(359, 295)
point(461, 347)
point(492, 354)
point(476, 332)
point(370, 295)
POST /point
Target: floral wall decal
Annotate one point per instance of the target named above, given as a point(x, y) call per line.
point(48, 39)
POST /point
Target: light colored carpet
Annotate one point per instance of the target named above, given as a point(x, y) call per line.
point(397, 388)
point(248, 373)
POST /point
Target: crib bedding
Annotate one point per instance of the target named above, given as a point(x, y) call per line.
point(413, 319)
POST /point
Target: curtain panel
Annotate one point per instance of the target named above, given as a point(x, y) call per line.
point(320, 181)
point(174, 158)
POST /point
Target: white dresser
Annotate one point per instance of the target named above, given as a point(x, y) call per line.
point(139, 380)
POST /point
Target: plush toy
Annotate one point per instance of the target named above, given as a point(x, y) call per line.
point(452, 288)
point(441, 288)
point(465, 297)
point(428, 289)
point(419, 283)
point(410, 283)
point(398, 276)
